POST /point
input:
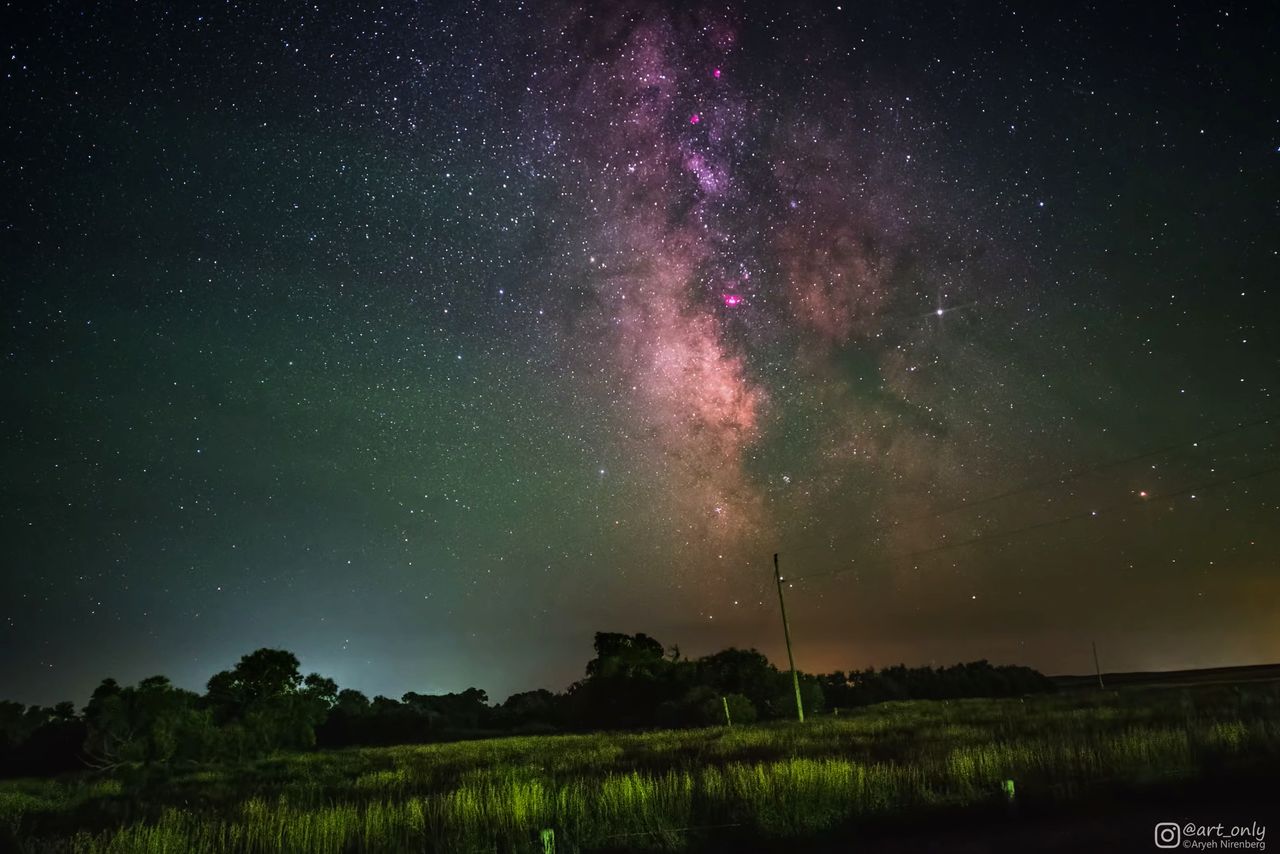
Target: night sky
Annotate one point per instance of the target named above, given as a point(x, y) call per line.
point(426, 339)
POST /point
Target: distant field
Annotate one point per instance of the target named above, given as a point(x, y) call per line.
point(1205, 675)
point(822, 783)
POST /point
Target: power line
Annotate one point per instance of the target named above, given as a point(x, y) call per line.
point(550, 551)
point(1000, 535)
point(1070, 475)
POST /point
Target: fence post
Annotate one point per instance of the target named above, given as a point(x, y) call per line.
point(728, 721)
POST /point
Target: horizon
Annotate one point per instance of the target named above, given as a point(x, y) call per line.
point(498, 698)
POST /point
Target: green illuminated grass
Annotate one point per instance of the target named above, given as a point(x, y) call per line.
point(667, 790)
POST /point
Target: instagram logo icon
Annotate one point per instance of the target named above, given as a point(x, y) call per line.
point(1168, 834)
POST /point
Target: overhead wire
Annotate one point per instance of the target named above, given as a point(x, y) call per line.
point(1094, 513)
point(1037, 485)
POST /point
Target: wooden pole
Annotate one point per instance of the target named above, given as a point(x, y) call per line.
point(786, 633)
point(1097, 668)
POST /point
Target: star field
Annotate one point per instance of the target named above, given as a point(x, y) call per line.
point(425, 340)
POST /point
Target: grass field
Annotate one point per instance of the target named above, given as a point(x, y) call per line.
point(669, 790)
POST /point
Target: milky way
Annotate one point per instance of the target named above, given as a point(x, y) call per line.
point(686, 194)
point(646, 127)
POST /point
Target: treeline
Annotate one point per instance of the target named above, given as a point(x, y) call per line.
point(266, 704)
point(974, 679)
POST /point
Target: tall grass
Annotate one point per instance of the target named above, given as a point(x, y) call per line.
point(659, 790)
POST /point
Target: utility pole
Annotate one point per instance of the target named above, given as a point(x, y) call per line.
point(1097, 668)
point(786, 633)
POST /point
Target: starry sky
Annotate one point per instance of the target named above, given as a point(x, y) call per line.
point(426, 339)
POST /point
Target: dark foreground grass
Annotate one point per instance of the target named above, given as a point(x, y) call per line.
point(669, 790)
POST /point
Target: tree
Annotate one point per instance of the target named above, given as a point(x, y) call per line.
point(260, 677)
point(267, 704)
point(351, 703)
point(626, 683)
point(746, 672)
point(626, 656)
point(16, 725)
point(529, 710)
point(741, 710)
point(466, 710)
point(348, 721)
point(35, 740)
point(151, 723)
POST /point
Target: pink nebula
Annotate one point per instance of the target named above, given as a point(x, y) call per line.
point(715, 72)
point(694, 119)
point(732, 299)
